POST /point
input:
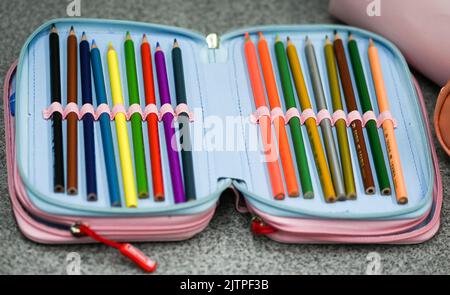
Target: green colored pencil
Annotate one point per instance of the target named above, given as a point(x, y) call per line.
point(341, 128)
point(371, 126)
point(294, 123)
point(136, 119)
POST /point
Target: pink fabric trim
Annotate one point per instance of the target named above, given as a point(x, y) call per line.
point(117, 109)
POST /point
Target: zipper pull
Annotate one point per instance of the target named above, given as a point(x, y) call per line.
point(126, 249)
point(259, 227)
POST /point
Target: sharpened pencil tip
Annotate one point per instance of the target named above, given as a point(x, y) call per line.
point(144, 38)
point(175, 43)
point(54, 29)
point(247, 36)
point(72, 29)
point(110, 46)
point(350, 36)
point(93, 44)
point(277, 38)
point(260, 35)
point(371, 42)
point(128, 36)
point(83, 37)
point(158, 46)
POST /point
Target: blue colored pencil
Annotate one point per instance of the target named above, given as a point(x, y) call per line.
point(88, 120)
point(105, 127)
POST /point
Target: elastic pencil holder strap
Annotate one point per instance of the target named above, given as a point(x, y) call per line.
point(307, 114)
point(151, 109)
point(369, 116)
point(276, 113)
point(72, 108)
point(384, 116)
point(339, 115)
point(183, 108)
point(260, 112)
point(118, 109)
point(324, 114)
point(292, 113)
point(166, 109)
point(353, 116)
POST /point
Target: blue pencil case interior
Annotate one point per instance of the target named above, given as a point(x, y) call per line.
point(219, 91)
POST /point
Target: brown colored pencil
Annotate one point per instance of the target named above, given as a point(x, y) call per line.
point(72, 120)
point(357, 131)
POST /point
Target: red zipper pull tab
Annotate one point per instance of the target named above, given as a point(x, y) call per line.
point(126, 249)
point(259, 227)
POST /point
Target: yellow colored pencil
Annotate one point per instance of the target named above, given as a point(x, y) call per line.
point(313, 133)
point(121, 128)
point(388, 126)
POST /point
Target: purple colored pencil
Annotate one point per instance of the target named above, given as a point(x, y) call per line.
point(169, 130)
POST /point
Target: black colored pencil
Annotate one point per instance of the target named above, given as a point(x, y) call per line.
point(185, 138)
point(55, 86)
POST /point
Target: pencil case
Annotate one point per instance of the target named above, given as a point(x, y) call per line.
point(218, 88)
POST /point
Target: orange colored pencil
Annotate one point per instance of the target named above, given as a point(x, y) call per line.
point(280, 128)
point(152, 121)
point(388, 126)
point(264, 122)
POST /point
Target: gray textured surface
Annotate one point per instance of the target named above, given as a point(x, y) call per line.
point(226, 246)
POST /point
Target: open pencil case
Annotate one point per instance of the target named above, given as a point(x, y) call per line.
point(218, 87)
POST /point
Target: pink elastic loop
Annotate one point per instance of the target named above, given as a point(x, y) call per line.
point(183, 108)
point(307, 114)
point(166, 109)
point(386, 115)
point(261, 111)
point(71, 108)
point(86, 109)
point(134, 109)
point(367, 116)
point(339, 115)
point(103, 109)
point(276, 113)
point(353, 116)
point(55, 107)
point(292, 113)
point(118, 109)
point(151, 109)
point(322, 115)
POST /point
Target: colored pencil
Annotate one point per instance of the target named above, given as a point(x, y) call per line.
point(169, 131)
point(136, 119)
point(323, 170)
point(290, 176)
point(371, 126)
point(264, 122)
point(341, 128)
point(388, 126)
point(72, 120)
point(185, 140)
point(294, 123)
point(88, 120)
point(357, 131)
point(105, 128)
point(121, 129)
point(152, 122)
point(57, 137)
point(325, 125)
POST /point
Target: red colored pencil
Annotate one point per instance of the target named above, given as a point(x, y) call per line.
point(152, 121)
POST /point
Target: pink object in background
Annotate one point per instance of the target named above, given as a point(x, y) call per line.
point(421, 29)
